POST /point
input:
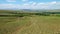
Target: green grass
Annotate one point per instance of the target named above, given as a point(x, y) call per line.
point(8, 25)
point(30, 25)
point(42, 25)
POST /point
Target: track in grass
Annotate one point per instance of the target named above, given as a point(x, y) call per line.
point(42, 25)
point(30, 25)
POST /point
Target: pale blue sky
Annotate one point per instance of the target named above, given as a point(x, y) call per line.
point(29, 4)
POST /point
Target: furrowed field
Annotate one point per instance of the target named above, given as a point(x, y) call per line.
point(30, 25)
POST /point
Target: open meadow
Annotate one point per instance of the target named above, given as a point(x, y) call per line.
point(30, 25)
point(29, 16)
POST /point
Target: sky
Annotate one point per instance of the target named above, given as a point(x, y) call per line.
point(29, 4)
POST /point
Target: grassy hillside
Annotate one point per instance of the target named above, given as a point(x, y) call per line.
point(42, 25)
point(8, 25)
point(30, 25)
point(16, 22)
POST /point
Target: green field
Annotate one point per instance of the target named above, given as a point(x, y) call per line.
point(30, 25)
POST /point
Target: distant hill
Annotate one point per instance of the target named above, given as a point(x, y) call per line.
point(28, 11)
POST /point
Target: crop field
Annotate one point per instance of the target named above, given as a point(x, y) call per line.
point(30, 25)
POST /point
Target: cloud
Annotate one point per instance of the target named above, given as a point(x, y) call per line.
point(11, 0)
point(26, 4)
point(9, 6)
point(33, 5)
point(54, 2)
